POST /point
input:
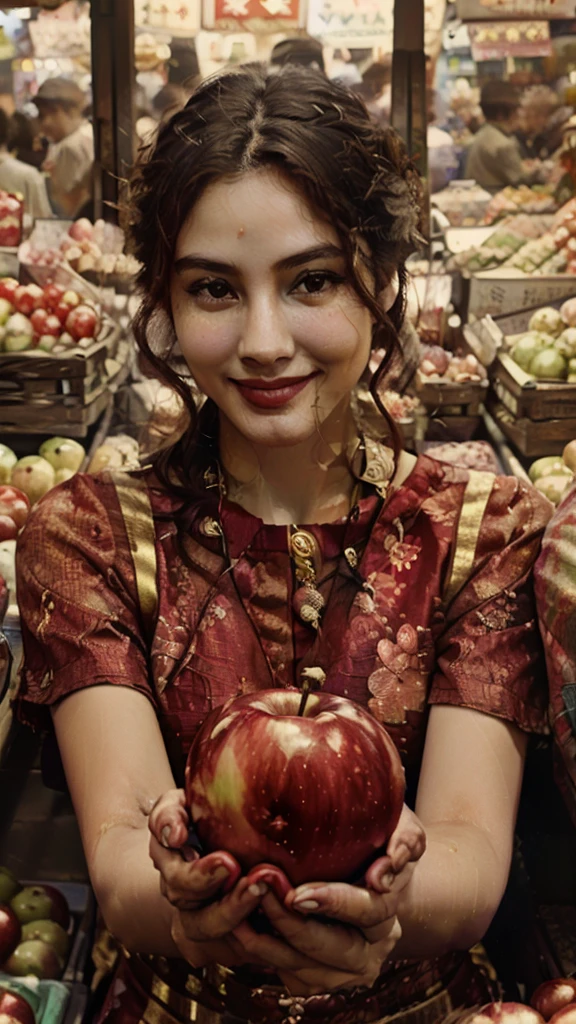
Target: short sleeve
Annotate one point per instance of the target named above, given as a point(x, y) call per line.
point(489, 653)
point(555, 576)
point(79, 612)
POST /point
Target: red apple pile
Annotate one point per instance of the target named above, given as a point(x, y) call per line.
point(316, 794)
point(34, 928)
point(553, 1002)
point(52, 318)
point(11, 211)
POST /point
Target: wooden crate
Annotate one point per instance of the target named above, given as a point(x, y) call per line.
point(452, 428)
point(446, 398)
point(42, 393)
point(526, 397)
point(532, 438)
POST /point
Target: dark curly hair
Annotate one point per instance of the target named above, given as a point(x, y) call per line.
point(321, 136)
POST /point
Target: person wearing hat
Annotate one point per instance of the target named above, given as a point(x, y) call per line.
point(70, 157)
point(494, 158)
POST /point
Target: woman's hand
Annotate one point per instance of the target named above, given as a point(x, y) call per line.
point(209, 897)
point(314, 955)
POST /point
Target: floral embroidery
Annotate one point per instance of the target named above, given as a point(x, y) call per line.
point(398, 685)
point(402, 554)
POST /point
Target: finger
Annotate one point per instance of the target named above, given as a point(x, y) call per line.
point(271, 950)
point(330, 944)
point(191, 883)
point(169, 819)
point(380, 875)
point(274, 878)
point(218, 919)
point(348, 904)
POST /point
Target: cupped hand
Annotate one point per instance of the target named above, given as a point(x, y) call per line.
point(335, 935)
point(209, 896)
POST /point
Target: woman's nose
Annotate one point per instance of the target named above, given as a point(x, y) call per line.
point(266, 335)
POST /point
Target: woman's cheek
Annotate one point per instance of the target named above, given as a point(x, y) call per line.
point(205, 343)
point(338, 335)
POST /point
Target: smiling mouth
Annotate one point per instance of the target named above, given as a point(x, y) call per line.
point(272, 394)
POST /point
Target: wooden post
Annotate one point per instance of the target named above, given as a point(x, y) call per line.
point(409, 105)
point(113, 101)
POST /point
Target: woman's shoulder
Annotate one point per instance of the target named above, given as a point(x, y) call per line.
point(499, 504)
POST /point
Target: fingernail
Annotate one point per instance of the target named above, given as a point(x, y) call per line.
point(306, 905)
point(219, 874)
point(257, 889)
point(387, 880)
point(306, 900)
point(166, 836)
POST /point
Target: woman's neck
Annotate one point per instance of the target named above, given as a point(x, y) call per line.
point(306, 483)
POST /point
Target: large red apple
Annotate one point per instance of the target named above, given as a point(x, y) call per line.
point(14, 1007)
point(318, 795)
point(9, 932)
point(554, 995)
point(565, 1016)
point(505, 1013)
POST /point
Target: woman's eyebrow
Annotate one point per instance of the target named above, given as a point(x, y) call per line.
point(316, 252)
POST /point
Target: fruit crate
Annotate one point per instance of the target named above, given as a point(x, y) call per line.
point(532, 438)
point(526, 397)
point(42, 393)
point(448, 398)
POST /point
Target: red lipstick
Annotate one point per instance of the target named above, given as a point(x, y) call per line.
point(272, 394)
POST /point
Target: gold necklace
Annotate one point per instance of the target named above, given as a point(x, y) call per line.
point(307, 601)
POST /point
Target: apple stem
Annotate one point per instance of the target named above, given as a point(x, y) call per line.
point(305, 694)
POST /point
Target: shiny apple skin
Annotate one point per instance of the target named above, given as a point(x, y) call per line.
point(552, 996)
point(505, 1013)
point(565, 1016)
point(10, 932)
point(15, 1007)
point(318, 796)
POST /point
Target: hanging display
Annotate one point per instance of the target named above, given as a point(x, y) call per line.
point(498, 40)
point(178, 17)
point(476, 10)
point(262, 16)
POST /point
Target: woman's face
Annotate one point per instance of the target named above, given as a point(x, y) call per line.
point(266, 318)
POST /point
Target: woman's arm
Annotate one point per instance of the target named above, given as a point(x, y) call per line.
point(467, 802)
point(116, 766)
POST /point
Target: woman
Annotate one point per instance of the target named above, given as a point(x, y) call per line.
point(272, 221)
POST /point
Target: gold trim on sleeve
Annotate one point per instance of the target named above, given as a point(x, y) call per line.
point(139, 524)
point(476, 496)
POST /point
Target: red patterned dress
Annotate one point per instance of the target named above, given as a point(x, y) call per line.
point(555, 576)
point(438, 610)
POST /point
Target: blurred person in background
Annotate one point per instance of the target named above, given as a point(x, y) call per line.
point(494, 157)
point(302, 50)
point(376, 91)
point(443, 159)
point(542, 117)
point(26, 142)
point(70, 159)
point(16, 176)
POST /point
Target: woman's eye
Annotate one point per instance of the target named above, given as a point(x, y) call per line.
point(215, 290)
point(318, 283)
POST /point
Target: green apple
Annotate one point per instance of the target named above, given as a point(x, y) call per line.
point(19, 333)
point(33, 475)
point(34, 957)
point(9, 885)
point(6, 310)
point(49, 932)
point(62, 475)
point(63, 453)
point(8, 460)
